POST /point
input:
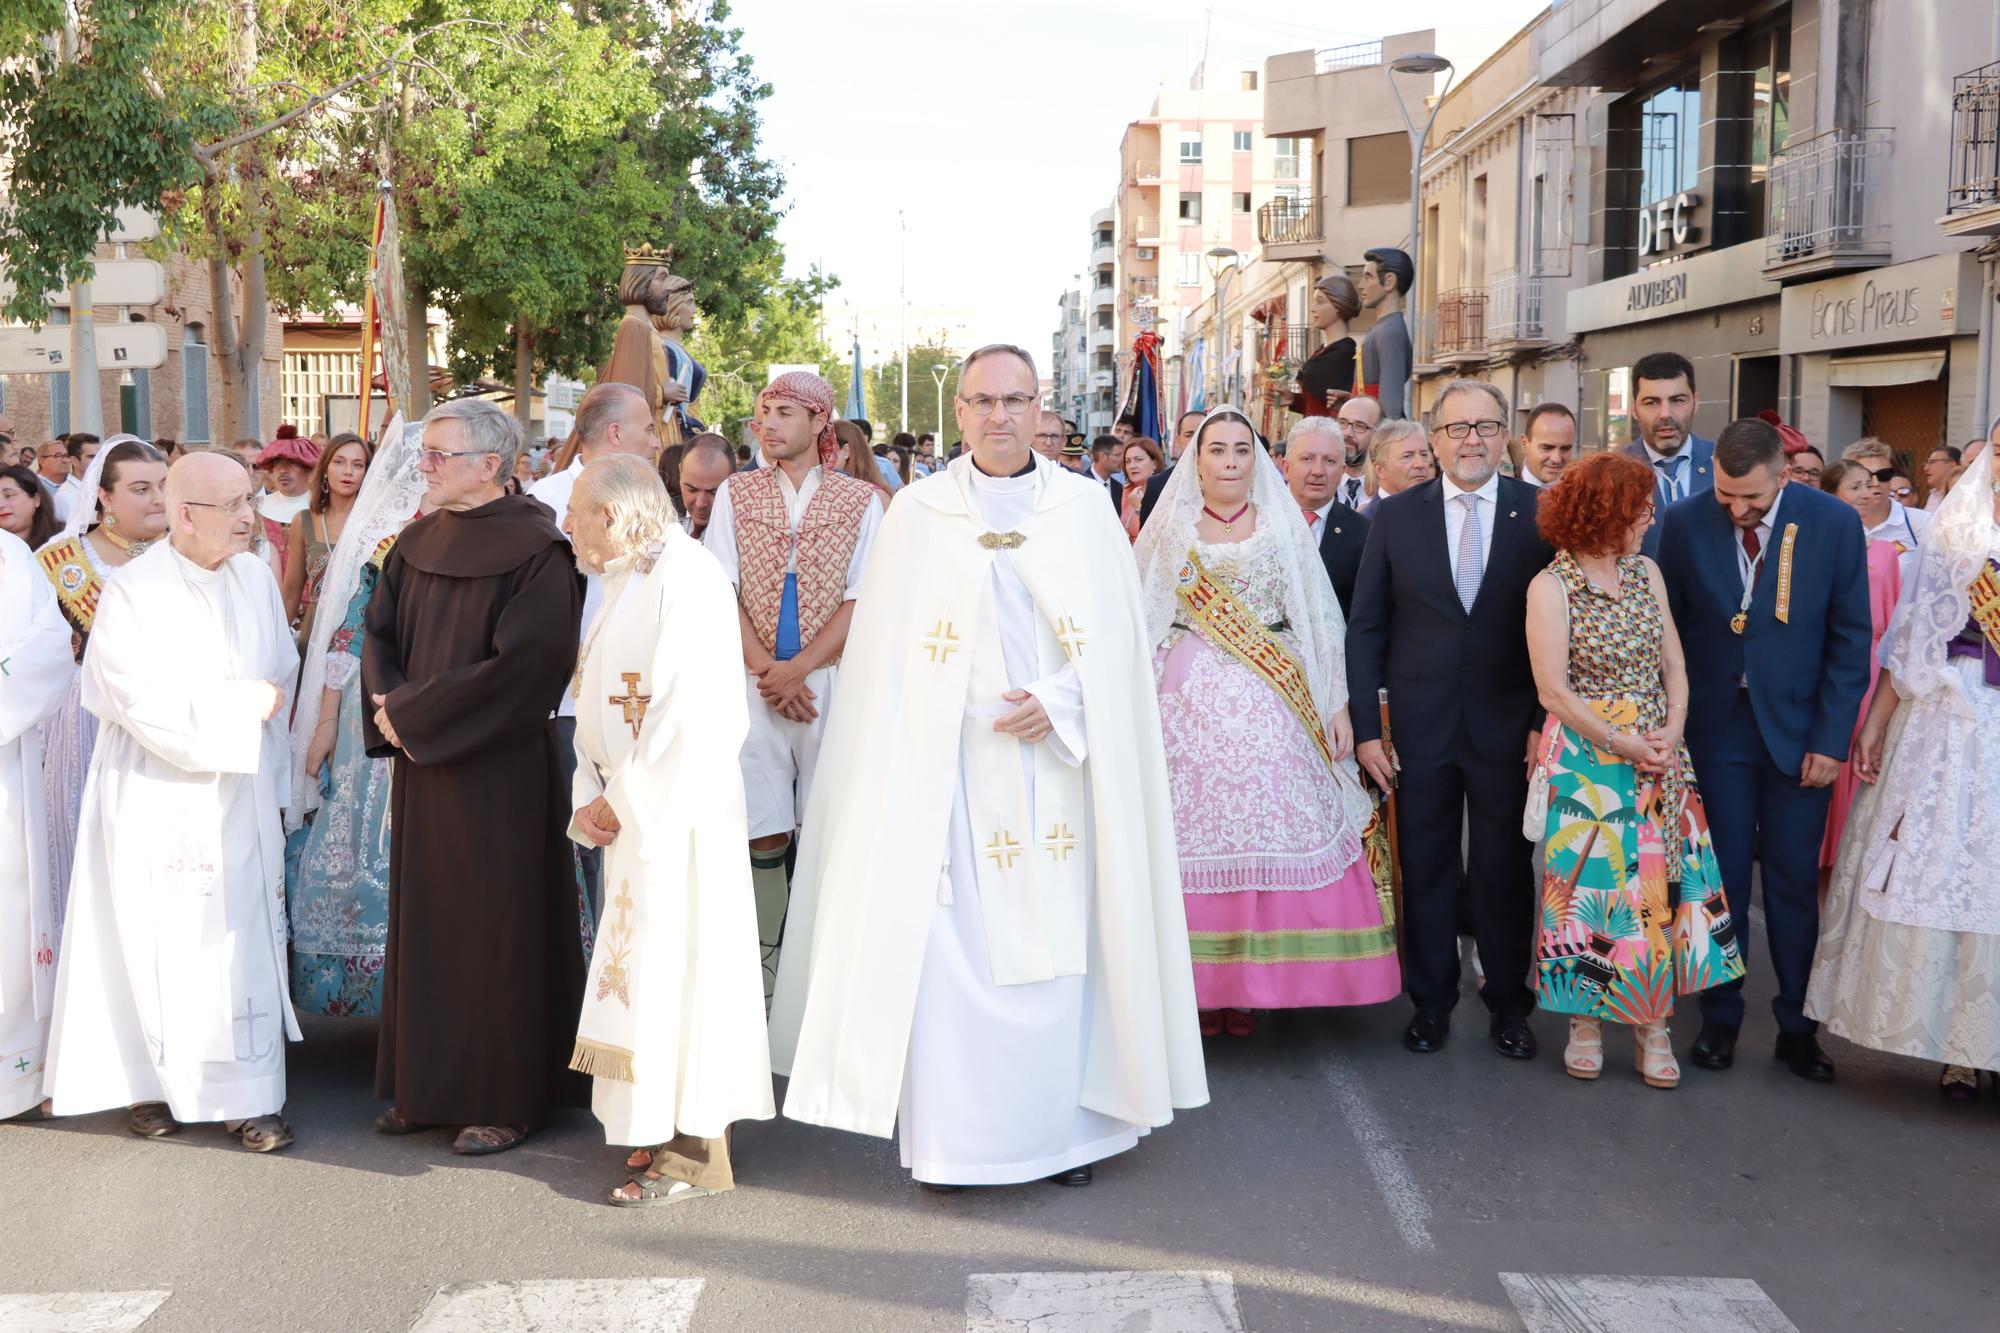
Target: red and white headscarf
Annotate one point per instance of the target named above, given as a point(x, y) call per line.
point(809, 391)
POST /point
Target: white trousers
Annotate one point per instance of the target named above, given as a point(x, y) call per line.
point(779, 756)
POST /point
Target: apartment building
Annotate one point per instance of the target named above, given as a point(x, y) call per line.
point(1069, 364)
point(1764, 190)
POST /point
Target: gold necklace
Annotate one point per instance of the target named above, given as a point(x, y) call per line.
point(131, 549)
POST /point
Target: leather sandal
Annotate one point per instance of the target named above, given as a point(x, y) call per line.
point(265, 1133)
point(656, 1189)
point(1653, 1050)
point(152, 1120)
point(485, 1140)
point(1583, 1057)
point(391, 1122)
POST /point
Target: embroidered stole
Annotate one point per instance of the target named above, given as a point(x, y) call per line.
point(1985, 596)
point(1214, 613)
point(74, 577)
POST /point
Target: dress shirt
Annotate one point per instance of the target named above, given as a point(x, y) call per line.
point(1487, 497)
point(1681, 466)
point(1349, 492)
point(1528, 475)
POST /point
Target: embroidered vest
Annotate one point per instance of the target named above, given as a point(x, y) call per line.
point(828, 530)
point(69, 568)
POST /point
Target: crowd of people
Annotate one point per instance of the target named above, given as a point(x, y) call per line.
point(569, 767)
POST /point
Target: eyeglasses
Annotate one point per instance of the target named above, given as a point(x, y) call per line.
point(240, 504)
point(1902, 492)
point(1488, 430)
point(982, 404)
point(1355, 428)
point(1045, 438)
point(1885, 475)
point(434, 458)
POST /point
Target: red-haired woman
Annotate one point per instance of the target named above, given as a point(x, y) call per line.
point(1633, 911)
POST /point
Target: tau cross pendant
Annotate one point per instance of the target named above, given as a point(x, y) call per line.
point(633, 702)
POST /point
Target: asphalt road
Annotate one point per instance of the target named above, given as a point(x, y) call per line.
point(1337, 1182)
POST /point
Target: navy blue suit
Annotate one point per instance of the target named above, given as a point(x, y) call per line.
point(1700, 477)
point(1759, 702)
point(1464, 701)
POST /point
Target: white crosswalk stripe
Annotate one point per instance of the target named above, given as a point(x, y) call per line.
point(78, 1311)
point(1109, 1302)
point(648, 1305)
point(1579, 1303)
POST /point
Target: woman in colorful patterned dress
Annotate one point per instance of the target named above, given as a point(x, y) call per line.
point(337, 845)
point(1284, 910)
point(336, 480)
point(1909, 946)
point(1633, 911)
point(121, 510)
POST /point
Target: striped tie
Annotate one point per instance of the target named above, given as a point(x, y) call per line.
point(1670, 479)
point(1470, 567)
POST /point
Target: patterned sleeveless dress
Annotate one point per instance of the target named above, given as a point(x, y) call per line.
point(1633, 911)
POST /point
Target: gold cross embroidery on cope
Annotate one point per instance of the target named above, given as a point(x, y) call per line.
point(1071, 636)
point(942, 642)
point(1060, 842)
point(1003, 849)
point(633, 702)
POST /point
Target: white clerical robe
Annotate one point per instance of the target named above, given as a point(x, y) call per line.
point(673, 1014)
point(1017, 1025)
point(35, 667)
point(171, 986)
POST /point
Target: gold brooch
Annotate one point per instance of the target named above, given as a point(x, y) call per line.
point(1001, 541)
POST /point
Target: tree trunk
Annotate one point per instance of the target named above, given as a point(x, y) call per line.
point(237, 344)
point(418, 331)
point(524, 373)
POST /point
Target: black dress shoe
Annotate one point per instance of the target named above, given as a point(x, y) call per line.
point(934, 1188)
point(1075, 1176)
point(1426, 1033)
point(1512, 1036)
point(1800, 1052)
point(1715, 1047)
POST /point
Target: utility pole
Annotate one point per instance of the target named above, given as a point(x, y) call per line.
point(86, 392)
point(904, 291)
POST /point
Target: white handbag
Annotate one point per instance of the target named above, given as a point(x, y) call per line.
point(1535, 815)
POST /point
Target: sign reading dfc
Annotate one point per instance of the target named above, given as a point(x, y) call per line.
point(1669, 224)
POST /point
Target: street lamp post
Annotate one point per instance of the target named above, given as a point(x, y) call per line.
point(904, 284)
point(939, 372)
point(1417, 62)
point(1218, 256)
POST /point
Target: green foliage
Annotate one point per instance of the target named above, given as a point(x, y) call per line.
point(884, 386)
point(85, 136)
point(783, 327)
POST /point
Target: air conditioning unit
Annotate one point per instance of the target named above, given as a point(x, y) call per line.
point(1147, 252)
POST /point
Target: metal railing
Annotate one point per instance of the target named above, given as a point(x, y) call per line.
point(1290, 222)
point(1821, 192)
point(1284, 342)
point(1146, 169)
point(1355, 55)
point(1514, 307)
point(1145, 289)
point(1461, 322)
point(1975, 141)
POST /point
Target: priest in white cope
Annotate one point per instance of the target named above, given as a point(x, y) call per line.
point(1003, 969)
point(171, 996)
point(35, 668)
point(673, 1015)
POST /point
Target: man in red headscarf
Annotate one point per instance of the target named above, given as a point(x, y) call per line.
point(794, 538)
point(285, 467)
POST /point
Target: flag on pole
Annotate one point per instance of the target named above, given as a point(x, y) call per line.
point(857, 400)
point(1142, 397)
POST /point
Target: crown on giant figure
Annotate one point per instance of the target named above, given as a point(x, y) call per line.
point(646, 255)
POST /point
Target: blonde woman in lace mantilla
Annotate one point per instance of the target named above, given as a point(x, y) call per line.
point(1283, 908)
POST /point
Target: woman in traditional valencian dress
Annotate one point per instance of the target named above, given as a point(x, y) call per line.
point(1633, 911)
point(1909, 947)
point(1283, 908)
point(337, 843)
point(121, 510)
point(336, 480)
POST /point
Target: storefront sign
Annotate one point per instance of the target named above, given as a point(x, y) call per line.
point(1886, 305)
point(1669, 225)
point(1700, 282)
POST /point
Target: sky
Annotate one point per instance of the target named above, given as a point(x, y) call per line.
point(993, 129)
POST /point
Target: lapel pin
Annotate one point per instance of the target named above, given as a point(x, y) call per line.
point(1511, 513)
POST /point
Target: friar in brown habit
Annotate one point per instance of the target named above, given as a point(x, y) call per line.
point(471, 640)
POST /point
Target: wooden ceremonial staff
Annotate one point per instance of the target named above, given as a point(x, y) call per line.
point(1395, 843)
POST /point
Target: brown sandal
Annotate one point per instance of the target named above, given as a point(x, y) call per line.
point(152, 1120)
point(391, 1122)
point(265, 1133)
point(485, 1140)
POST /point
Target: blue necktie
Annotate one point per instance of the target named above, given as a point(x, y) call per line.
point(1471, 568)
point(1670, 478)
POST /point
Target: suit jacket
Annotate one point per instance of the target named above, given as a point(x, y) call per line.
point(1701, 477)
point(1111, 485)
point(1154, 485)
point(1341, 537)
point(1445, 667)
point(1806, 673)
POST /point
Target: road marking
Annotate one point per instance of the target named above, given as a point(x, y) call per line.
point(79, 1311)
point(655, 1305)
point(1393, 1177)
point(1562, 1303)
point(1157, 1301)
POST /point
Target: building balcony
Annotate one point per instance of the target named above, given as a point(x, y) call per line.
point(1824, 214)
point(1103, 339)
point(1357, 55)
point(1972, 197)
point(1461, 327)
point(1103, 254)
point(1146, 172)
point(1144, 291)
point(1104, 379)
point(1290, 229)
point(1103, 296)
point(1513, 316)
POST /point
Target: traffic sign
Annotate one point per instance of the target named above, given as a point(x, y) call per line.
point(116, 282)
point(134, 224)
point(45, 350)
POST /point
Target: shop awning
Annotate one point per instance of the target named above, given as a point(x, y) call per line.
point(1873, 372)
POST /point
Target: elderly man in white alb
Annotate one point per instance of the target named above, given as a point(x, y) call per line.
point(171, 995)
point(35, 669)
point(1002, 969)
point(673, 1015)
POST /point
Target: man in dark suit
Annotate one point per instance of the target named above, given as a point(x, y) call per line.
point(1184, 432)
point(1768, 584)
point(1313, 466)
point(1440, 618)
point(1664, 402)
point(1106, 453)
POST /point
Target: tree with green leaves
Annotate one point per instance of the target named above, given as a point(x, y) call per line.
point(885, 391)
point(782, 327)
